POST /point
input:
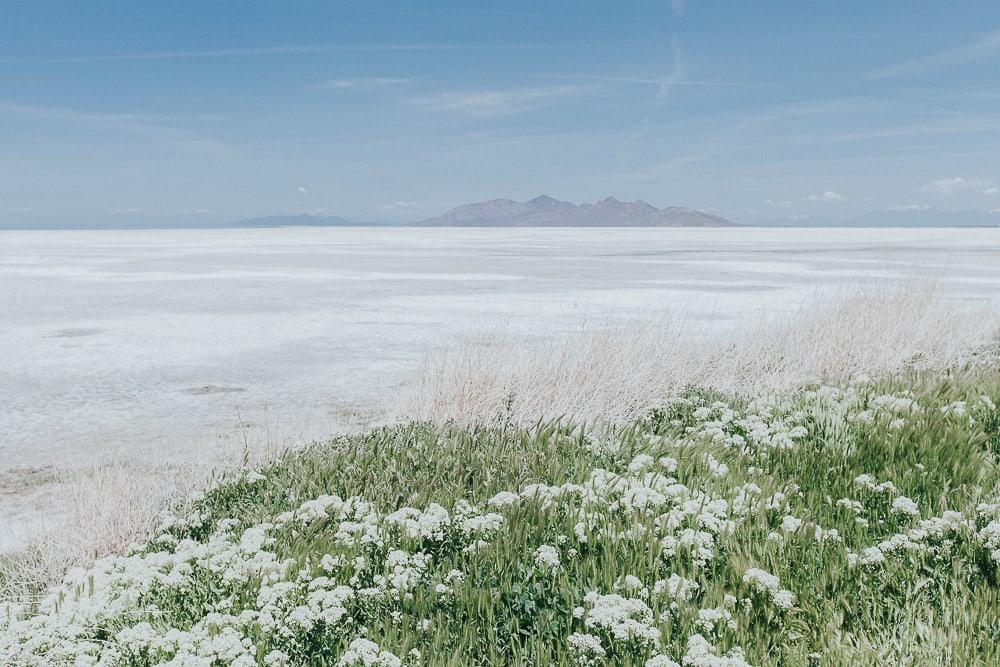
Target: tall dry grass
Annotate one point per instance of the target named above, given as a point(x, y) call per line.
point(618, 370)
point(90, 509)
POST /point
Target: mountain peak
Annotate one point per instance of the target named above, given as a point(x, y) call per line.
point(543, 200)
point(546, 211)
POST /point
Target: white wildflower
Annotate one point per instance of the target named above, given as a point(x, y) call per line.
point(586, 647)
point(767, 583)
point(710, 619)
point(547, 557)
point(790, 524)
point(677, 587)
point(668, 463)
point(905, 506)
point(871, 556)
point(701, 653)
point(640, 463)
point(503, 499)
point(366, 653)
point(625, 619)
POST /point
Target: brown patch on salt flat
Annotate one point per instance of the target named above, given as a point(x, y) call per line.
point(76, 332)
point(212, 389)
point(18, 480)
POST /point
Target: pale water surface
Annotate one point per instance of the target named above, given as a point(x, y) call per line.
point(163, 341)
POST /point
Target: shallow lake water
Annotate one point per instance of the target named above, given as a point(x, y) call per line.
point(165, 340)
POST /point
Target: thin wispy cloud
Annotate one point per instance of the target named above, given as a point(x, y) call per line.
point(957, 184)
point(980, 49)
point(362, 83)
point(650, 81)
point(168, 129)
point(827, 197)
point(677, 72)
point(275, 51)
point(678, 6)
point(496, 102)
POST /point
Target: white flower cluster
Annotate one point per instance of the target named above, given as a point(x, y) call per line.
point(889, 409)
point(547, 558)
point(586, 648)
point(701, 653)
point(625, 620)
point(905, 506)
point(903, 404)
point(289, 601)
point(935, 537)
point(677, 587)
point(988, 535)
point(868, 482)
point(366, 653)
point(851, 505)
point(688, 521)
point(765, 426)
point(768, 584)
point(713, 619)
point(616, 625)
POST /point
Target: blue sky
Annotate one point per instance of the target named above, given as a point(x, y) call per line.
point(198, 113)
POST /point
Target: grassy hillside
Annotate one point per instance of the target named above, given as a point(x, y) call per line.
point(836, 526)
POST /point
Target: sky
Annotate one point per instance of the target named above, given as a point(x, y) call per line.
point(196, 113)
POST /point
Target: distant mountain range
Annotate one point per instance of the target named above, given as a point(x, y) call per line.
point(544, 211)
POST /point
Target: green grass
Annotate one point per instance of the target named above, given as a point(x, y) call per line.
point(937, 606)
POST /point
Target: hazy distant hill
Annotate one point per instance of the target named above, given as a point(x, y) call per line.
point(544, 211)
point(302, 220)
point(926, 216)
point(899, 216)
